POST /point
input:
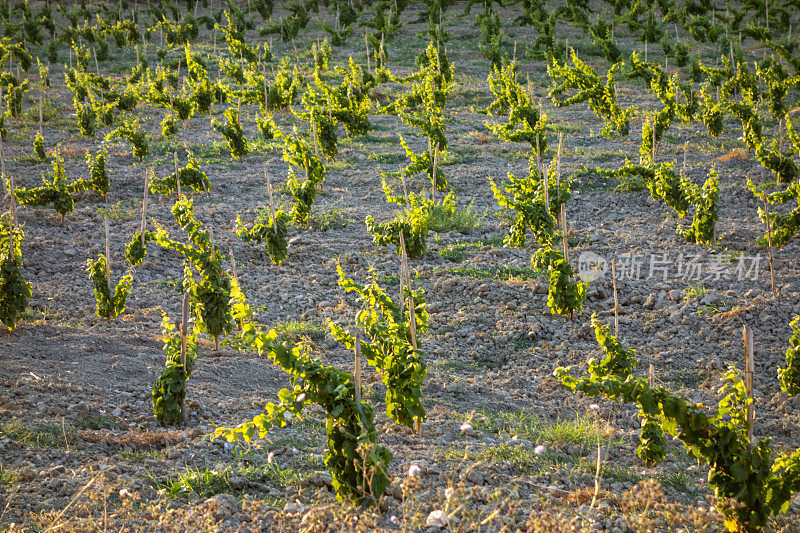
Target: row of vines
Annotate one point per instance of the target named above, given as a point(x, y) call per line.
point(180, 79)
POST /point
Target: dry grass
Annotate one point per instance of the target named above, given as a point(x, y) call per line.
point(135, 439)
point(738, 154)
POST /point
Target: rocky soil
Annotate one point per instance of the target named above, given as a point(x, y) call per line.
point(80, 449)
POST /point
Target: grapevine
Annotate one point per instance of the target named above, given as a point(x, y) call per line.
point(108, 305)
point(233, 133)
point(272, 232)
point(169, 390)
point(751, 484)
point(705, 204)
point(565, 296)
point(790, 376)
point(389, 345)
point(14, 290)
point(357, 465)
point(190, 176)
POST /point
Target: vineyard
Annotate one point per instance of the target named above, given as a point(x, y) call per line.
point(400, 266)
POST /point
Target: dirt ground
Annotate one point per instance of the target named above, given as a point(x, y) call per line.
point(80, 448)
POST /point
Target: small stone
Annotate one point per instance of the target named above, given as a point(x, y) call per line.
point(436, 518)
point(474, 477)
point(237, 482)
point(294, 507)
point(320, 479)
point(222, 506)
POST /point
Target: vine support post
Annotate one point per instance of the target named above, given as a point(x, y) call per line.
point(564, 243)
point(3, 158)
point(96, 64)
point(271, 201)
point(747, 334)
point(653, 156)
point(404, 277)
point(542, 176)
point(41, 108)
point(366, 45)
point(558, 164)
point(357, 369)
point(412, 312)
point(769, 249)
point(177, 177)
point(616, 301)
point(144, 202)
point(108, 257)
point(233, 263)
point(435, 164)
point(13, 220)
point(184, 323)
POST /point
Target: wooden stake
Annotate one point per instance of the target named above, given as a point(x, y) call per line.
point(13, 201)
point(144, 202)
point(412, 321)
point(357, 373)
point(233, 264)
point(366, 44)
point(403, 268)
point(271, 201)
point(747, 334)
point(108, 256)
point(177, 176)
point(405, 190)
point(266, 93)
point(538, 157)
point(685, 149)
point(435, 164)
point(564, 232)
point(41, 109)
point(2, 157)
point(653, 156)
point(558, 163)
point(616, 302)
point(11, 233)
point(769, 243)
point(314, 133)
point(184, 324)
point(96, 64)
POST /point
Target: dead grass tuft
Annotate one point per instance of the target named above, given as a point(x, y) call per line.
point(738, 153)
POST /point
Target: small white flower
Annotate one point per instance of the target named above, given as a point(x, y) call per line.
point(414, 471)
point(287, 416)
point(539, 450)
point(448, 492)
point(301, 397)
point(594, 406)
point(466, 426)
point(270, 457)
